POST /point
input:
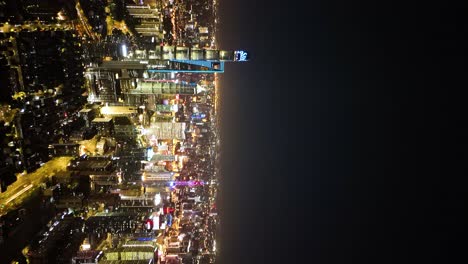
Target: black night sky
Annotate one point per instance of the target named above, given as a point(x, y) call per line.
point(344, 138)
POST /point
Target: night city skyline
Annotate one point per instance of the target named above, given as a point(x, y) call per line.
point(110, 131)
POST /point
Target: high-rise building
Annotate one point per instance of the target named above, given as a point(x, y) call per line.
point(148, 22)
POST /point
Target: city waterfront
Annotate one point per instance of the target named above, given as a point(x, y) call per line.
point(111, 132)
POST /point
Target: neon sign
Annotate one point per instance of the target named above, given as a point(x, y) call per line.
point(241, 55)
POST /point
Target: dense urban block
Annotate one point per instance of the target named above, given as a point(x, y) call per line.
point(109, 145)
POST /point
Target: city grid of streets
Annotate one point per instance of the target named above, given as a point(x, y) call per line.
point(131, 171)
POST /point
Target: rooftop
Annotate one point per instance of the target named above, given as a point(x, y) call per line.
point(88, 254)
point(126, 261)
point(102, 119)
point(122, 121)
point(118, 110)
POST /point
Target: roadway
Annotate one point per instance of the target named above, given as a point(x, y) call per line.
point(84, 22)
point(35, 26)
point(27, 183)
